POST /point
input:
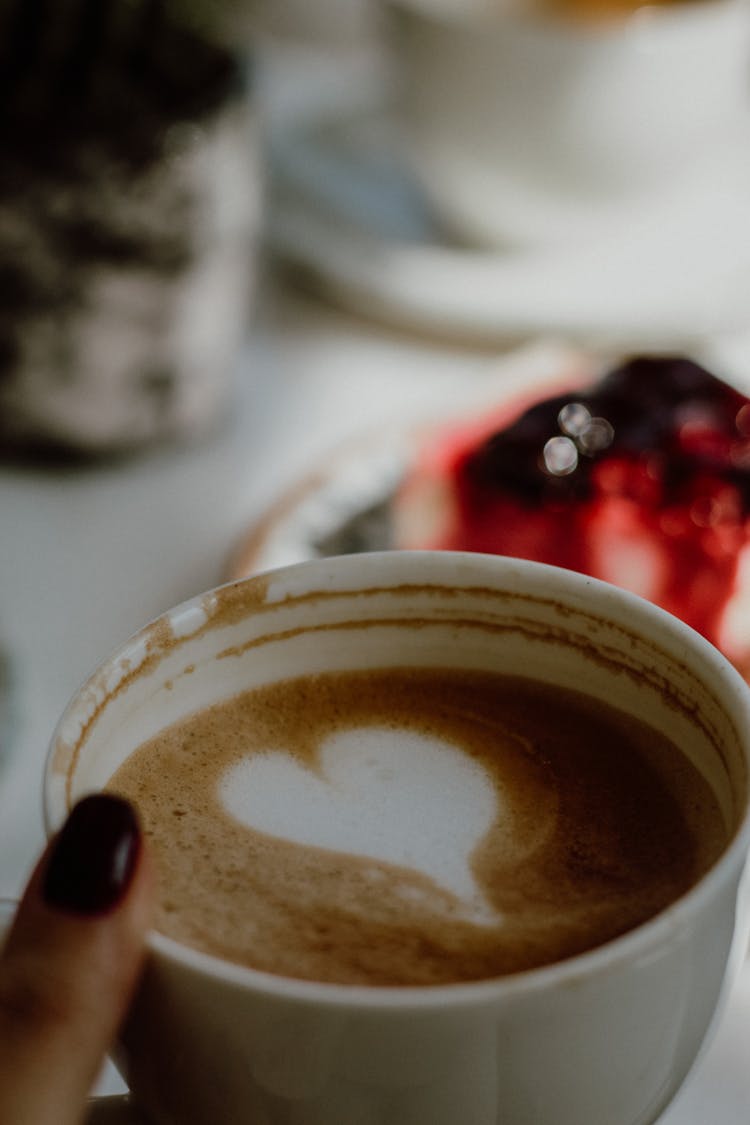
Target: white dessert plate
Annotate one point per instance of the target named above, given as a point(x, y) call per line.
point(660, 271)
point(339, 504)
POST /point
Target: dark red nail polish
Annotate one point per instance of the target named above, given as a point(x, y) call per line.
point(94, 857)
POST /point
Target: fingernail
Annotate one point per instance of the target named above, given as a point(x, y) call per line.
point(94, 857)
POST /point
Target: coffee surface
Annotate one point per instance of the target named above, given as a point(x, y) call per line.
point(415, 827)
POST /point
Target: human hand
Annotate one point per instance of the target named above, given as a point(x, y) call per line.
point(71, 962)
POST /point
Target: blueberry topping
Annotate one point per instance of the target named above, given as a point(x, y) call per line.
point(665, 418)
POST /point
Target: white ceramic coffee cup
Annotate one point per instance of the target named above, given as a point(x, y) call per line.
point(607, 1036)
point(529, 129)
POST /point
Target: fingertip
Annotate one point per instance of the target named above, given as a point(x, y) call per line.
point(93, 859)
point(89, 901)
point(74, 955)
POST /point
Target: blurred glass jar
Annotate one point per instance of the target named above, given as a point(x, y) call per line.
point(129, 210)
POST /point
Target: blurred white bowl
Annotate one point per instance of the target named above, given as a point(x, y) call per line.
point(525, 127)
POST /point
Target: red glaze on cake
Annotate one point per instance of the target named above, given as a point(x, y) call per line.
point(642, 479)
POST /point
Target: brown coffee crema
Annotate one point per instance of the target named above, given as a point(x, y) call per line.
point(601, 823)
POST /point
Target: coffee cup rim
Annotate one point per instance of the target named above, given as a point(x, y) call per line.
point(628, 947)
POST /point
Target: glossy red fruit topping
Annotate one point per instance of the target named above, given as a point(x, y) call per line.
point(643, 480)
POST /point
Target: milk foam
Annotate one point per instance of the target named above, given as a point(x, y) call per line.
point(392, 795)
point(414, 826)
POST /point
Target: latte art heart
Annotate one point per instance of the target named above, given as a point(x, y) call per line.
point(391, 795)
point(414, 826)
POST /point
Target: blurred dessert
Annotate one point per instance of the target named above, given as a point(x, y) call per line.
point(128, 206)
point(642, 479)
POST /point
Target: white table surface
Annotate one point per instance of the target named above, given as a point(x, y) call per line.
point(88, 555)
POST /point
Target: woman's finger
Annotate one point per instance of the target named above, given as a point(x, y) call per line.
point(71, 962)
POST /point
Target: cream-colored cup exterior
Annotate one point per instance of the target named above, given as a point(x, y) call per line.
point(604, 1037)
point(528, 129)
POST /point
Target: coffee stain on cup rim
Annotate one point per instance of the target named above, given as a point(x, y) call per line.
point(265, 594)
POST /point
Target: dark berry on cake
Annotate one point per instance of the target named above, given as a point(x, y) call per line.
point(642, 479)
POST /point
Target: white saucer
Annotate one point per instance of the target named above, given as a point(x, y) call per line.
point(657, 272)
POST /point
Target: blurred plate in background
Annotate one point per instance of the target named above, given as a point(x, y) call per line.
point(660, 272)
